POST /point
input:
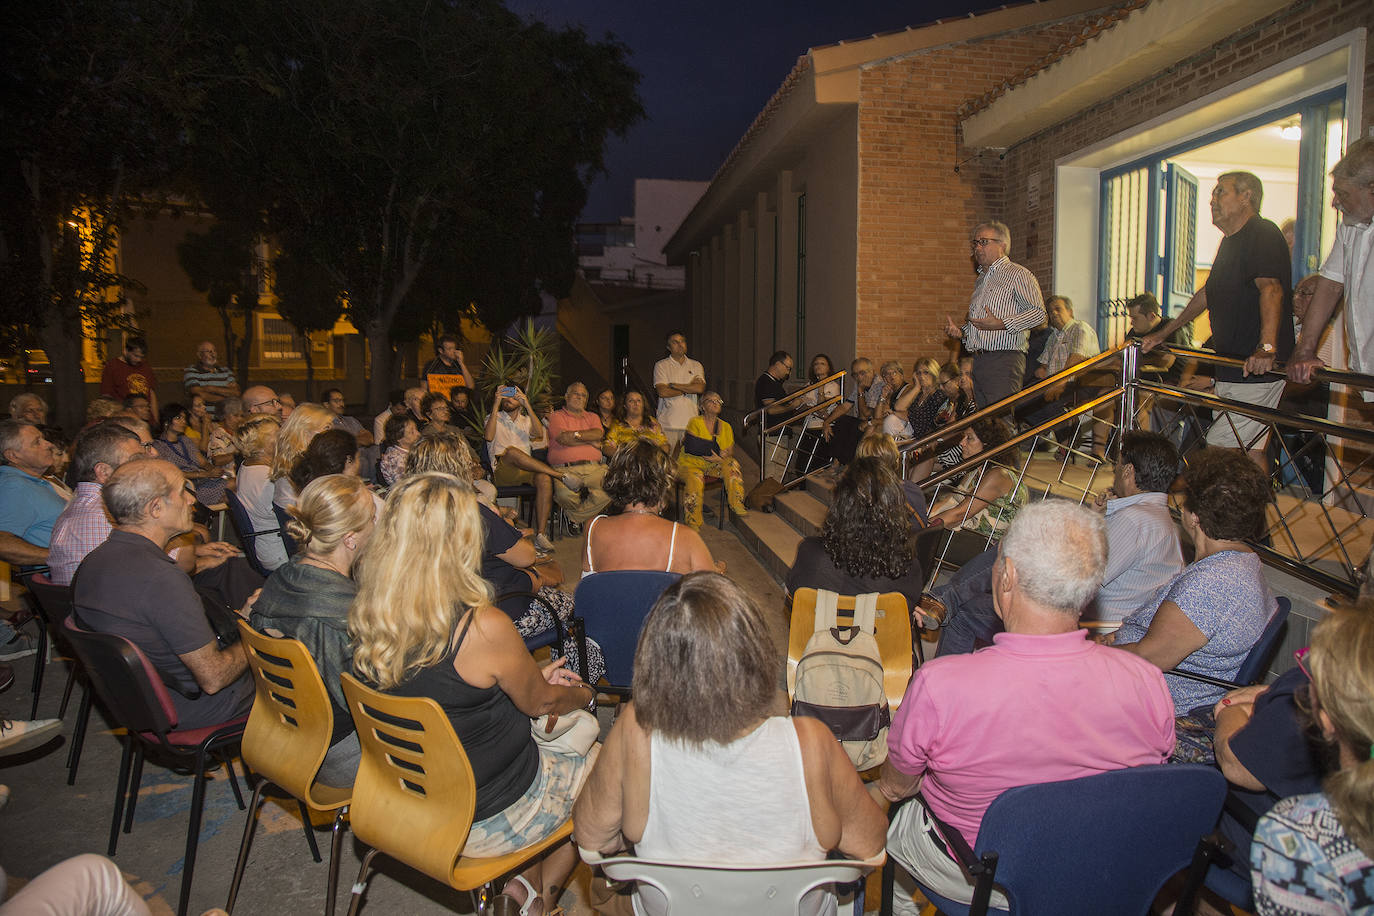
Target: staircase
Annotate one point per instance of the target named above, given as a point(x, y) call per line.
point(773, 536)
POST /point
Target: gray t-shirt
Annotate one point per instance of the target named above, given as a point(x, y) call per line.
point(128, 587)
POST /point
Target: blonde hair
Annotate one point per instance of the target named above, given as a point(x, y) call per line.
point(305, 423)
point(880, 446)
point(443, 452)
point(1342, 666)
point(417, 575)
point(328, 509)
point(256, 434)
point(929, 366)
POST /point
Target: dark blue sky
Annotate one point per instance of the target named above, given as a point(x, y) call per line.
point(708, 68)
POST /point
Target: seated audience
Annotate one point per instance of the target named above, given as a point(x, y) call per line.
point(884, 448)
point(922, 401)
point(101, 408)
point(637, 537)
point(308, 598)
point(174, 445)
point(128, 587)
point(635, 421)
point(1315, 853)
point(448, 452)
point(261, 399)
point(1143, 552)
point(29, 504)
point(257, 443)
point(708, 446)
point(220, 448)
point(514, 434)
point(814, 445)
point(769, 390)
point(852, 418)
point(605, 407)
point(1042, 704)
point(400, 433)
point(428, 629)
point(1209, 616)
point(298, 430)
point(895, 387)
point(983, 502)
point(199, 423)
point(575, 435)
point(703, 767)
point(139, 406)
point(30, 408)
point(396, 406)
point(333, 451)
point(333, 398)
point(437, 413)
point(867, 542)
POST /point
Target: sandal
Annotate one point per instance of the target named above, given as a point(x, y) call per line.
point(531, 895)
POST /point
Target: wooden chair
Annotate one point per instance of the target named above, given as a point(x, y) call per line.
point(285, 742)
point(415, 795)
point(893, 632)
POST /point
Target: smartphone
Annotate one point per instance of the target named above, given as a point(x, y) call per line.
point(508, 391)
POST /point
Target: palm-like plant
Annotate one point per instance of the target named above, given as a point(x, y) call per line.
point(527, 359)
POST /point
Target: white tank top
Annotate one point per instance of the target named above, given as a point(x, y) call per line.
point(697, 794)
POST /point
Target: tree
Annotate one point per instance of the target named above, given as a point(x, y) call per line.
point(221, 263)
point(310, 300)
point(423, 155)
point(95, 98)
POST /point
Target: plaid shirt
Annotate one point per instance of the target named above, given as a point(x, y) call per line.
point(82, 527)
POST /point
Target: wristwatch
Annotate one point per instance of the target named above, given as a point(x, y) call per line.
point(577, 434)
point(1267, 349)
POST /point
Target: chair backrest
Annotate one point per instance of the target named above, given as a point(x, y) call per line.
point(54, 601)
point(243, 529)
point(1256, 662)
point(1121, 835)
point(287, 540)
point(292, 720)
point(892, 630)
point(694, 889)
point(414, 795)
point(613, 606)
point(126, 681)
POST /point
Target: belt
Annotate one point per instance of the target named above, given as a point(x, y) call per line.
point(576, 464)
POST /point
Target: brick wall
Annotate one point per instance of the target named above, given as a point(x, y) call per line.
point(916, 212)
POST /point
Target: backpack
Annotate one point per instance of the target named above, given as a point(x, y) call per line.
point(839, 680)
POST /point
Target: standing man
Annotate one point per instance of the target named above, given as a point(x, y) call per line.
point(129, 375)
point(1248, 296)
point(1006, 304)
point(575, 435)
point(447, 370)
point(206, 378)
point(1349, 269)
point(678, 381)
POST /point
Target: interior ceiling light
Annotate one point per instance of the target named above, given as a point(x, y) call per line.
point(1291, 132)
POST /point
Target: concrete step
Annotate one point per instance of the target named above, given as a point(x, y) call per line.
point(771, 539)
point(803, 511)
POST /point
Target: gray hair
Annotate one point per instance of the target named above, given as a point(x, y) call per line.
point(567, 391)
point(133, 487)
point(100, 445)
point(10, 431)
point(25, 397)
point(1246, 182)
point(231, 407)
point(1060, 552)
point(998, 229)
point(1356, 165)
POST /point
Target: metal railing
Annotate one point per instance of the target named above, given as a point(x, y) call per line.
point(787, 435)
point(1312, 528)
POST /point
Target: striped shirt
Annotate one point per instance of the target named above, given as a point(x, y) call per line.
point(218, 377)
point(1010, 292)
point(1142, 554)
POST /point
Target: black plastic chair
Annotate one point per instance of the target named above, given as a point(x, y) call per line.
point(611, 607)
point(243, 530)
point(133, 692)
point(283, 517)
point(1124, 834)
point(54, 603)
point(550, 637)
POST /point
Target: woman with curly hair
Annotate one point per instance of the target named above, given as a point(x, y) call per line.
point(429, 630)
point(635, 536)
point(1315, 853)
point(867, 543)
point(634, 421)
point(1210, 615)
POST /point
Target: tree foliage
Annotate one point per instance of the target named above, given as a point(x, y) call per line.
point(221, 263)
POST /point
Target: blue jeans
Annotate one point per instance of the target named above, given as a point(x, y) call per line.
point(969, 612)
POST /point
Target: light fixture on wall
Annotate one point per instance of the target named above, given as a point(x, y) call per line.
point(1291, 132)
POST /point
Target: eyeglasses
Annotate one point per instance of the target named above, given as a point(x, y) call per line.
point(982, 242)
point(264, 403)
point(149, 447)
point(186, 486)
point(1300, 657)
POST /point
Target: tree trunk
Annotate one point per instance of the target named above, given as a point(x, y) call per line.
point(61, 338)
point(306, 349)
point(382, 357)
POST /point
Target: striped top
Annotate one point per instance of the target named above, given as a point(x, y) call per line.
point(1010, 292)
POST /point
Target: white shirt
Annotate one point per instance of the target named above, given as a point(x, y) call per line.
point(1351, 263)
point(255, 492)
point(1142, 554)
point(511, 430)
point(676, 412)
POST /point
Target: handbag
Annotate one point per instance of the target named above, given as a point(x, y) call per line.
point(571, 734)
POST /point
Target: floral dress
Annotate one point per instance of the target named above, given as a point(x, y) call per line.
point(693, 470)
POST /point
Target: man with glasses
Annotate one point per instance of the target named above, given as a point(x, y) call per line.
point(850, 419)
point(769, 388)
point(261, 399)
point(1006, 304)
point(212, 382)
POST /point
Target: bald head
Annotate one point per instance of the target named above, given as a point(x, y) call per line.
point(135, 486)
point(261, 399)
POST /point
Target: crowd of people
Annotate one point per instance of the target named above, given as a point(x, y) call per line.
point(705, 764)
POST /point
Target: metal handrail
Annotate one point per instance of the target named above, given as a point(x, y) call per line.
point(765, 431)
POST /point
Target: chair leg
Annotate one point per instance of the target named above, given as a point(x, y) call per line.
point(359, 886)
point(192, 833)
point(83, 716)
point(120, 787)
point(135, 783)
point(40, 662)
point(889, 880)
point(245, 844)
point(234, 782)
point(67, 694)
point(335, 851)
point(309, 830)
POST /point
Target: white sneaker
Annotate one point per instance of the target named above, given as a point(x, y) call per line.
point(542, 544)
point(17, 736)
point(20, 646)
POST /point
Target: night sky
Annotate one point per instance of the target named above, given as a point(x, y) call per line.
point(709, 66)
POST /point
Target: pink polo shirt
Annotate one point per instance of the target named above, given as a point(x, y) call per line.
point(561, 421)
point(1027, 710)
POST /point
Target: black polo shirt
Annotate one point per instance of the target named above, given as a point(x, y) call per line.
point(1256, 250)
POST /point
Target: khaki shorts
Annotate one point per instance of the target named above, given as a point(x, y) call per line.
point(508, 475)
point(1233, 430)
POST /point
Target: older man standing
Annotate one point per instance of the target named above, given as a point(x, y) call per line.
point(1248, 296)
point(1349, 269)
point(575, 435)
point(128, 586)
point(1042, 704)
point(1006, 304)
point(205, 377)
point(679, 381)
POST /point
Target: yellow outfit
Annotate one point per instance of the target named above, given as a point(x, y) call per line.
point(693, 470)
point(623, 435)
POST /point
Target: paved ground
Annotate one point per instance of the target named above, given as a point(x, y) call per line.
point(46, 820)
